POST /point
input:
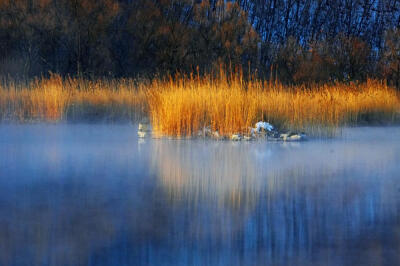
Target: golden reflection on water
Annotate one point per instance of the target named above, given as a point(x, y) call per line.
point(237, 172)
point(283, 198)
point(76, 202)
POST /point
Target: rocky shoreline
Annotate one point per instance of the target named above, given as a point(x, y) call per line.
point(261, 131)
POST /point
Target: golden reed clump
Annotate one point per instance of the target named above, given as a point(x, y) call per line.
point(231, 105)
point(182, 106)
point(42, 99)
point(55, 99)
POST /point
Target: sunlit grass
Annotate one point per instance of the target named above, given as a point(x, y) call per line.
point(56, 99)
point(182, 106)
point(233, 105)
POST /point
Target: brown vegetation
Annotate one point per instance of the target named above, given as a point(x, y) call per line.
point(232, 105)
point(57, 99)
point(183, 105)
point(300, 41)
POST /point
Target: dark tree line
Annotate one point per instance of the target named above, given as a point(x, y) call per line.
point(322, 40)
point(294, 40)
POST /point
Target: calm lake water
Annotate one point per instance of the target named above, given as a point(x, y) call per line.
point(96, 195)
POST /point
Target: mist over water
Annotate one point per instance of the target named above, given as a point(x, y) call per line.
point(97, 195)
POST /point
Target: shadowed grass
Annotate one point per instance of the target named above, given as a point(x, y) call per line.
point(56, 99)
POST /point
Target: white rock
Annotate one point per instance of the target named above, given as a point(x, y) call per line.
point(284, 136)
point(143, 127)
point(142, 134)
point(247, 138)
point(236, 137)
point(295, 137)
point(263, 126)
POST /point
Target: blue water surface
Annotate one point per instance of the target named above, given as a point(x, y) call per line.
point(98, 195)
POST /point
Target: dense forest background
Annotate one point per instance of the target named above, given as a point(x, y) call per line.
point(296, 41)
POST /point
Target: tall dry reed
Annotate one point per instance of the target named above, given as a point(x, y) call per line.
point(55, 99)
point(182, 106)
point(232, 105)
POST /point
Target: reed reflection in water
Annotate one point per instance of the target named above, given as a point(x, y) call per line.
point(325, 202)
point(96, 195)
